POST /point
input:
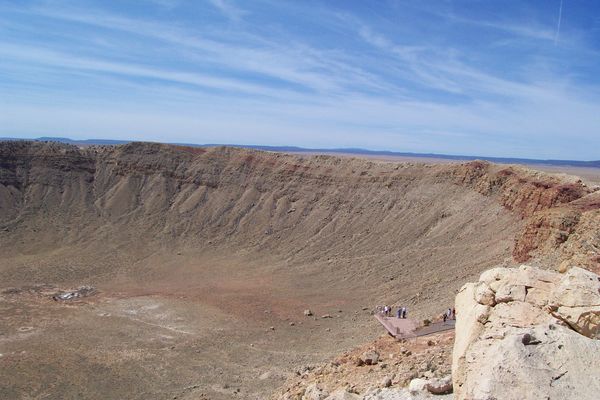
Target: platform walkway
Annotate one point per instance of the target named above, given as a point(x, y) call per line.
point(405, 328)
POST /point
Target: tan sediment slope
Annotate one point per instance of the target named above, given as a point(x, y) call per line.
point(197, 253)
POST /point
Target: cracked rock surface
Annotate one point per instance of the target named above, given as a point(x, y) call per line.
point(527, 333)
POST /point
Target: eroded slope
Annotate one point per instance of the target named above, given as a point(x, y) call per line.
point(198, 253)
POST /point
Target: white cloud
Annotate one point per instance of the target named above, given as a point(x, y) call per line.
point(230, 10)
point(68, 61)
point(291, 62)
point(168, 4)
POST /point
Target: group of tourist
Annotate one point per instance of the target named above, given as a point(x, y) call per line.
point(449, 314)
point(388, 311)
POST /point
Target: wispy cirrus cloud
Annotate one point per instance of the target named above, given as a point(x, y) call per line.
point(69, 61)
point(168, 4)
point(292, 62)
point(229, 9)
point(528, 30)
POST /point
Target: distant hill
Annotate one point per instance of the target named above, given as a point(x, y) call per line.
point(357, 151)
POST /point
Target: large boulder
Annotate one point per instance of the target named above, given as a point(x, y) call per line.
point(440, 385)
point(418, 385)
point(576, 301)
point(402, 394)
point(370, 357)
point(534, 339)
point(314, 392)
point(343, 394)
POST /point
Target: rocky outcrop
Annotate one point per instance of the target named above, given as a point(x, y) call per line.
point(370, 357)
point(403, 394)
point(437, 386)
point(545, 231)
point(521, 190)
point(314, 392)
point(401, 367)
point(440, 385)
point(528, 333)
point(561, 214)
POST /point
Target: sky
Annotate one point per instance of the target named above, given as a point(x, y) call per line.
point(489, 78)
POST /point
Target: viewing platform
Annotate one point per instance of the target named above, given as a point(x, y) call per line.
point(405, 328)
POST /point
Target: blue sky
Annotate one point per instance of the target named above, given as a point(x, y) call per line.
point(489, 78)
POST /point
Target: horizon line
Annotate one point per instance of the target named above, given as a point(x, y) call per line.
point(339, 150)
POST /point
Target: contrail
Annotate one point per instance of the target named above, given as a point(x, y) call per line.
point(558, 27)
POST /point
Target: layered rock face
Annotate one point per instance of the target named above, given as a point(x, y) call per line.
point(561, 215)
point(528, 333)
point(97, 211)
point(170, 193)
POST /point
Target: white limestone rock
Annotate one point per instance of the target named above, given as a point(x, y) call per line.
point(537, 341)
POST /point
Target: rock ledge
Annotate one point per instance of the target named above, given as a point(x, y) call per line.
point(527, 333)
